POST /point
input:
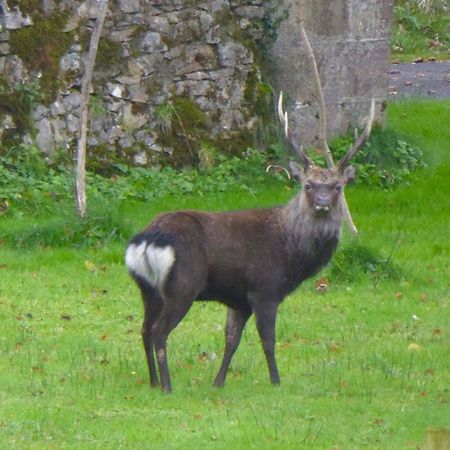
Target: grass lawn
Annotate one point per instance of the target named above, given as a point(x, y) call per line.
point(365, 365)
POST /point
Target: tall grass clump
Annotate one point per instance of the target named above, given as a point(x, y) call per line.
point(355, 261)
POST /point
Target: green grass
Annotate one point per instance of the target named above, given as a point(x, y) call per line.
point(418, 33)
point(73, 375)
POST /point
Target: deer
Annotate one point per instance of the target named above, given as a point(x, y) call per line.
point(248, 260)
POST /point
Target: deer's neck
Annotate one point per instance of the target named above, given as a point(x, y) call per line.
point(307, 232)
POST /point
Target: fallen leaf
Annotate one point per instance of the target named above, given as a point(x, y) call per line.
point(334, 347)
point(90, 266)
point(284, 345)
point(322, 285)
point(437, 332)
point(414, 347)
point(398, 295)
point(4, 206)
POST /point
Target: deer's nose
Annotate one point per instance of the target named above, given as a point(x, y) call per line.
point(323, 200)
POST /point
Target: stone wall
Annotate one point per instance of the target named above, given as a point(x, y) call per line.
point(175, 77)
point(350, 39)
point(171, 76)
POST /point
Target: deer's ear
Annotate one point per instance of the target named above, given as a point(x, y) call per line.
point(297, 171)
point(349, 174)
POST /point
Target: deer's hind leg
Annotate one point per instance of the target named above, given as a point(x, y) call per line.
point(152, 309)
point(173, 311)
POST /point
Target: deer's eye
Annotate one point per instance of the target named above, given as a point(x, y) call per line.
point(308, 186)
point(338, 187)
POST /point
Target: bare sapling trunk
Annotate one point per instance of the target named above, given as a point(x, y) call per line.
point(81, 203)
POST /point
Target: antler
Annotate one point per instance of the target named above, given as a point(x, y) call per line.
point(290, 135)
point(359, 141)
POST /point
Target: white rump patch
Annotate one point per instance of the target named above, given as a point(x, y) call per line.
point(150, 262)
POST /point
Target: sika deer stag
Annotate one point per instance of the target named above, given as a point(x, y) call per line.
point(248, 260)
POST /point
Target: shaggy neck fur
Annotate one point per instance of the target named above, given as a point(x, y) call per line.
point(310, 239)
point(306, 231)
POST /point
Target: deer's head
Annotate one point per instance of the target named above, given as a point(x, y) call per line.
point(323, 188)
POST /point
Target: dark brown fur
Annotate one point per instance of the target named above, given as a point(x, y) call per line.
point(248, 260)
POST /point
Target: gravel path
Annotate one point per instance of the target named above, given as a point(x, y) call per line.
point(427, 79)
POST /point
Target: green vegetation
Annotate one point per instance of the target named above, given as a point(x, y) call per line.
point(363, 365)
point(389, 159)
point(18, 101)
point(421, 30)
point(41, 47)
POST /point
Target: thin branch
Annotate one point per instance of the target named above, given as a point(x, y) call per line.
point(84, 100)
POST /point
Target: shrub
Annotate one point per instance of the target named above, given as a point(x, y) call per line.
point(387, 160)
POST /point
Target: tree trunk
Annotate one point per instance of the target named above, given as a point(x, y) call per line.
point(81, 203)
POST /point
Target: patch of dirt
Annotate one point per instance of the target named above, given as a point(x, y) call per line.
point(420, 79)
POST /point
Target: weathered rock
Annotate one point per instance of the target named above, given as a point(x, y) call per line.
point(72, 123)
point(89, 9)
point(6, 123)
point(131, 120)
point(71, 101)
point(160, 24)
point(70, 61)
point(57, 108)
point(151, 42)
point(146, 138)
point(138, 94)
point(115, 90)
point(13, 19)
point(4, 48)
point(129, 6)
point(39, 112)
point(45, 137)
point(233, 53)
point(140, 159)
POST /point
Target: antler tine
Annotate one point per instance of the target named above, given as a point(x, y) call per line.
point(359, 141)
point(290, 135)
